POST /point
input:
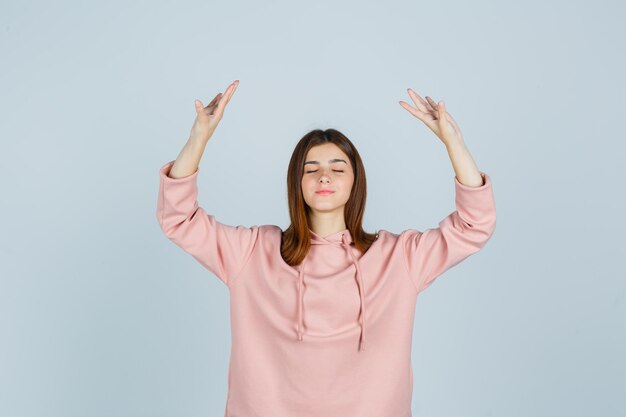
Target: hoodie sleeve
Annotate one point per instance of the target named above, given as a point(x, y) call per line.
point(465, 231)
point(220, 248)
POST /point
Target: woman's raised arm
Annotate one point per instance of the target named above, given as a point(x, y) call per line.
point(463, 232)
point(220, 248)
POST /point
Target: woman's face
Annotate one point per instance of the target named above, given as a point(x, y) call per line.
point(327, 167)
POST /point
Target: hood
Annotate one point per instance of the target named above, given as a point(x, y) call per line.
point(343, 241)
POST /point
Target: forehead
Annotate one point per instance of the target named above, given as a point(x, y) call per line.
point(325, 152)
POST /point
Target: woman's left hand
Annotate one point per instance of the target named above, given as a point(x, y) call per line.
point(431, 114)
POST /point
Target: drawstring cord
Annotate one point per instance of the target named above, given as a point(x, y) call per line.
point(346, 244)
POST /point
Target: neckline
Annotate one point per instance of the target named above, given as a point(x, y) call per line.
point(333, 237)
point(296, 272)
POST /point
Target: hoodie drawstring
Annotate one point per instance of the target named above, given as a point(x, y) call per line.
point(346, 244)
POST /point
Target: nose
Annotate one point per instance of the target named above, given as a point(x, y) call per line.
point(326, 174)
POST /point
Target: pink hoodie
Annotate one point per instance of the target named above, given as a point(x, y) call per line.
point(330, 337)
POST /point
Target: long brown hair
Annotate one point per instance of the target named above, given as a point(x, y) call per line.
point(296, 240)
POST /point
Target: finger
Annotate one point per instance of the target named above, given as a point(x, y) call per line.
point(214, 101)
point(424, 116)
point(232, 87)
point(444, 113)
point(427, 118)
point(198, 105)
point(449, 121)
point(442, 116)
point(232, 92)
point(420, 103)
point(432, 105)
point(227, 95)
point(415, 112)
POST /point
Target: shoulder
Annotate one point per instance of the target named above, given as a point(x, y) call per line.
point(391, 239)
point(386, 239)
point(270, 230)
point(386, 235)
point(270, 235)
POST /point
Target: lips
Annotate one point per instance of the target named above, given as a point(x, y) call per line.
point(324, 192)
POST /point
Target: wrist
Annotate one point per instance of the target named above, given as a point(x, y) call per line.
point(455, 146)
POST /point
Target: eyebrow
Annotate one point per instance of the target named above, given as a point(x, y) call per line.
point(330, 161)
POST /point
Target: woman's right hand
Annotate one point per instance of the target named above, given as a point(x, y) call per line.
point(207, 118)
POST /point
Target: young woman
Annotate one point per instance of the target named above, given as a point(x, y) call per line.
point(304, 301)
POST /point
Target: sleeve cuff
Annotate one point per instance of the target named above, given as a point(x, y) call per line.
point(165, 170)
point(486, 183)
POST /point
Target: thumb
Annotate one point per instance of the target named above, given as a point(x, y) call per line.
point(442, 115)
point(199, 106)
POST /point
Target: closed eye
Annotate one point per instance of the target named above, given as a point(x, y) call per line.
point(336, 170)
